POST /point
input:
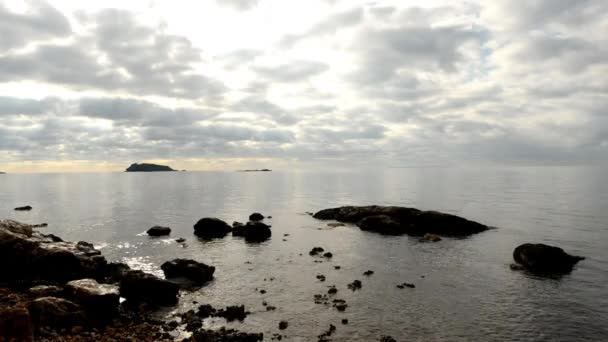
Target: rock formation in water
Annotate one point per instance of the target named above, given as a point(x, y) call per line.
point(391, 220)
point(25, 208)
point(256, 170)
point(253, 231)
point(148, 168)
point(195, 271)
point(544, 259)
point(211, 227)
point(158, 231)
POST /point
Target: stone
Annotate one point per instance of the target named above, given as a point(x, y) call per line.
point(15, 320)
point(192, 270)
point(159, 231)
point(316, 250)
point(25, 208)
point(545, 259)
point(256, 217)
point(210, 227)
point(253, 231)
point(97, 299)
point(45, 291)
point(56, 313)
point(283, 325)
point(431, 237)
point(137, 286)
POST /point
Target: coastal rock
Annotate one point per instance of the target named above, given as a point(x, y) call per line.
point(541, 258)
point(393, 220)
point(194, 271)
point(35, 256)
point(45, 291)
point(137, 286)
point(56, 312)
point(159, 231)
point(210, 227)
point(144, 167)
point(97, 299)
point(227, 335)
point(253, 231)
point(256, 217)
point(431, 237)
point(26, 208)
point(15, 320)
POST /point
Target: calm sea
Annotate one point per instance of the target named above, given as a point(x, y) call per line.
point(464, 291)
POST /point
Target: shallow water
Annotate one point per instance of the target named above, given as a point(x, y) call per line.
point(464, 288)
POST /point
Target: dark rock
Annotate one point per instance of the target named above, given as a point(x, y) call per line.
point(205, 311)
point(26, 208)
point(194, 271)
point(325, 336)
point(144, 167)
point(335, 224)
point(262, 291)
point(400, 220)
point(45, 291)
point(137, 286)
point(232, 313)
point(180, 240)
point(225, 335)
point(52, 237)
point(256, 217)
point(368, 273)
point(15, 320)
point(98, 299)
point(211, 228)
point(270, 308)
point(253, 231)
point(115, 271)
point(355, 285)
point(316, 250)
point(283, 325)
point(159, 231)
point(56, 312)
point(344, 321)
point(328, 255)
point(431, 237)
point(237, 224)
point(404, 285)
point(385, 338)
point(337, 267)
point(332, 290)
point(40, 225)
point(545, 259)
point(321, 277)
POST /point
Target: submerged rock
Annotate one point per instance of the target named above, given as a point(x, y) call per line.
point(192, 270)
point(159, 231)
point(431, 237)
point(26, 208)
point(392, 220)
point(210, 227)
point(137, 286)
point(145, 167)
point(541, 258)
point(256, 217)
point(253, 231)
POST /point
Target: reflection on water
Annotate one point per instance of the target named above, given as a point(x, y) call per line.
point(464, 287)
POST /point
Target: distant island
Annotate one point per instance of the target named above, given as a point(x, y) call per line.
point(261, 170)
point(148, 168)
point(2, 173)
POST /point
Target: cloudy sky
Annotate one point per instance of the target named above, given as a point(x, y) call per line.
point(224, 84)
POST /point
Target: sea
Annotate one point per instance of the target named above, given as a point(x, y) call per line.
point(464, 288)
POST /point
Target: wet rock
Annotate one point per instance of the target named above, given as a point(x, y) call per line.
point(340, 304)
point(205, 311)
point(159, 231)
point(283, 325)
point(137, 286)
point(225, 335)
point(115, 271)
point(334, 224)
point(355, 285)
point(232, 313)
point(431, 237)
point(209, 227)
point(256, 217)
point(253, 231)
point(271, 308)
point(262, 291)
point(45, 291)
point(180, 240)
point(51, 237)
point(321, 299)
point(40, 225)
point(337, 267)
point(545, 259)
point(237, 224)
point(26, 208)
point(316, 251)
point(332, 290)
point(320, 277)
point(400, 220)
point(368, 273)
point(15, 320)
point(325, 336)
point(97, 299)
point(385, 338)
point(404, 285)
point(56, 312)
point(328, 255)
point(192, 270)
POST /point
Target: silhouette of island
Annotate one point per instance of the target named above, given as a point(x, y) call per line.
point(261, 170)
point(144, 167)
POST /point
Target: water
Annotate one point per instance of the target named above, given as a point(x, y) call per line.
point(467, 293)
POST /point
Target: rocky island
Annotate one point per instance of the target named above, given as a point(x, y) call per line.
point(144, 167)
point(255, 170)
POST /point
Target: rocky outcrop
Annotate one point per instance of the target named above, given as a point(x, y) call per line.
point(431, 237)
point(159, 231)
point(98, 299)
point(544, 259)
point(26, 208)
point(56, 312)
point(15, 320)
point(210, 227)
point(36, 256)
point(194, 271)
point(253, 231)
point(148, 168)
point(392, 220)
point(137, 286)
point(45, 291)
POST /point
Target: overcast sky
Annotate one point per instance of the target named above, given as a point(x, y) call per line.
point(223, 84)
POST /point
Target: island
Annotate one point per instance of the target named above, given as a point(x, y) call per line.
point(261, 170)
point(148, 168)
point(2, 173)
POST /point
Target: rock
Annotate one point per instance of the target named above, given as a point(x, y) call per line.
point(225, 335)
point(40, 225)
point(325, 336)
point(180, 240)
point(159, 231)
point(35, 256)
point(355, 285)
point(205, 311)
point(144, 167)
point(194, 271)
point(392, 220)
point(270, 308)
point(26, 208)
point(344, 321)
point(232, 313)
point(385, 338)
point(256, 217)
point(283, 325)
point(237, 224)
point(316, 250)
point(332, 290)
point(56, 312)
point(337, 267)
point(100, 300)
point(115, 271)
point(328, 255)
point(137, 286)
point(368, 273)
point(431, 237)
point(321, 277)
point(253, 231)
point(335, 224)
point(545, 259)
point(45, 291)
point(15, 320)
point(209, 227)
point(404, 285)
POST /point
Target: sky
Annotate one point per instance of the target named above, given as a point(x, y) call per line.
point(285, 84)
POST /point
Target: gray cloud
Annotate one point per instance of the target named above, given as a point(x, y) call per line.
point(292, 72)
point(40, 22)
point(327, 26)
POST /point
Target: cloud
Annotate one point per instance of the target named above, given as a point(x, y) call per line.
point(39, 22)
point(328, 26)
point(240, 5)
point(294, 71)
